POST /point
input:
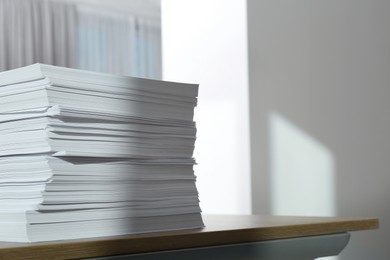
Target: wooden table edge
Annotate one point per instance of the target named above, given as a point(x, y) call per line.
point(153, 242)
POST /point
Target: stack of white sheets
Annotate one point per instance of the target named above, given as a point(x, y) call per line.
point(86, 154)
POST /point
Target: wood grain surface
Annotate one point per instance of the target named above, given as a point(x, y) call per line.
point(219, 230)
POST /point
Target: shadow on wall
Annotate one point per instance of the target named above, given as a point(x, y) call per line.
point(301, 169)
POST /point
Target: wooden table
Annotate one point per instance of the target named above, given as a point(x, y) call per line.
point(225, 237)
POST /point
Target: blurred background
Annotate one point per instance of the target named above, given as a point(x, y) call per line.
point(293, 114)
point(119, 36)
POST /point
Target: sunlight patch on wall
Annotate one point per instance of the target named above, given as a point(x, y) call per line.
point(302, 171)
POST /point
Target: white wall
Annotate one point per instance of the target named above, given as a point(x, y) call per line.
point(205, 42)
point(324, 68)
point(319, 74)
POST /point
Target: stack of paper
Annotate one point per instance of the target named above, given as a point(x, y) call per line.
point(85, 154)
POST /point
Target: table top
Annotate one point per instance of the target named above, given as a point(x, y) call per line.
point(219, 230)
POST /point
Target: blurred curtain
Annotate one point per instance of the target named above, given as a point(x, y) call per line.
point(119, 43)
point(37, 31)
point(79, 36)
